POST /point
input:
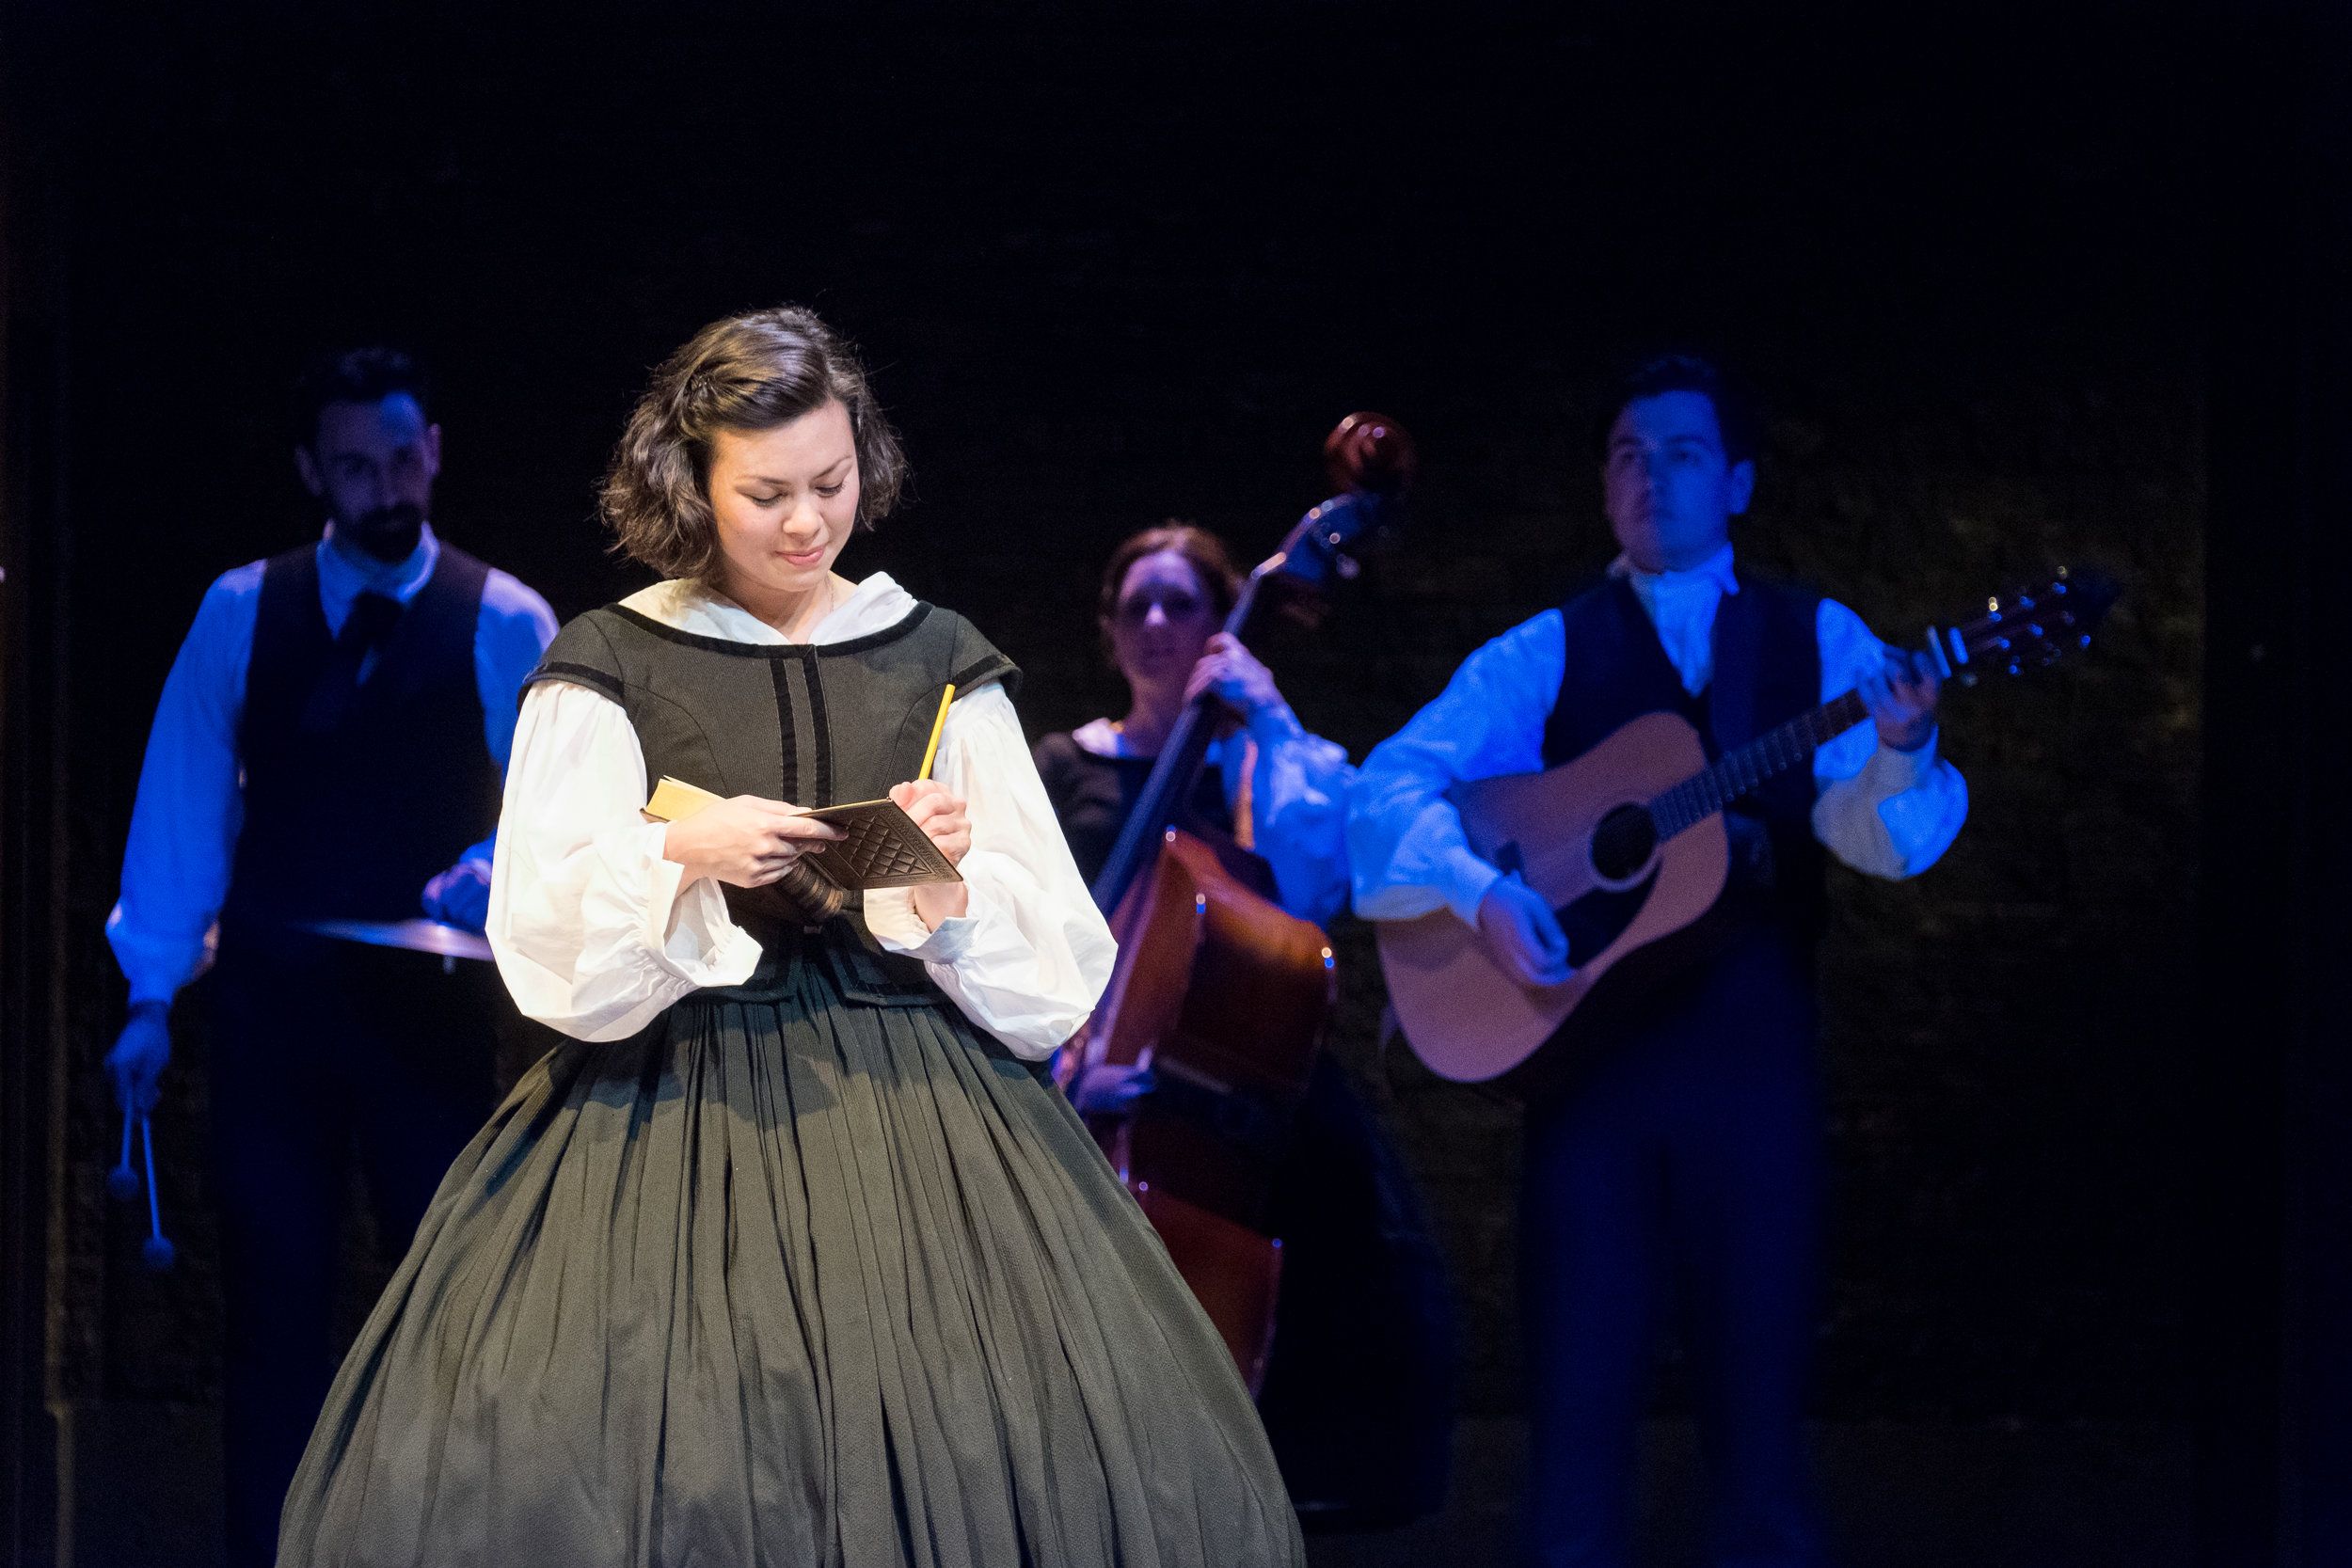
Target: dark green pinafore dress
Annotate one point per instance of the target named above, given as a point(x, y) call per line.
point(809, 1272)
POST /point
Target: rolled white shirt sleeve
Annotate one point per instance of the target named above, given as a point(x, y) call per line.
point(1882, 812)
point(591, 930)
point(1030, 956)
point(1406, 848)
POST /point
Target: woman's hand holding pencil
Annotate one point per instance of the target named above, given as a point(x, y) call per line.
point(943, 819)
point(939, 813)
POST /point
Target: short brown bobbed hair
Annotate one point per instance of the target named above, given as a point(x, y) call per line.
point(750, 373)
point(1220, 579)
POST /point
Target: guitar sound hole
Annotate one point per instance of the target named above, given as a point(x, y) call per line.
point(1623, 843)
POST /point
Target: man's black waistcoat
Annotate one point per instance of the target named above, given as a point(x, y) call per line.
point(357, 793)
point(1767, 670)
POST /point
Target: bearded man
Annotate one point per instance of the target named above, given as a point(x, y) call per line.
point(329, 748)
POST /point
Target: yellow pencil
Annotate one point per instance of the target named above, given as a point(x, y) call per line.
point(931, 750)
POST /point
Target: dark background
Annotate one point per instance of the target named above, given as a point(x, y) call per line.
point(1111, 265)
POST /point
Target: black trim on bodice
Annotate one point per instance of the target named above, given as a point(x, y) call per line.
point(580, 674)
point(901, 628)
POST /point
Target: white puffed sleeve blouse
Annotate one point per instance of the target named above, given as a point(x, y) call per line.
point(595, 935)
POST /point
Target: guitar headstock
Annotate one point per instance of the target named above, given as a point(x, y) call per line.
point(2029, 629)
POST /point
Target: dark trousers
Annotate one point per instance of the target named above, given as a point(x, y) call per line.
point(318, 1056)
point(1683, 1165)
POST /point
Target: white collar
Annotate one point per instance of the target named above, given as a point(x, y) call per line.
point(1716, 568)
point(685, 604)
point(1102, 737)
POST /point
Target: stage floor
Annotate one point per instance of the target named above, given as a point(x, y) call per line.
point(2092, 1495)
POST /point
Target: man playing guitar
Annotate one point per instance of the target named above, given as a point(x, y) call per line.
point(1684, 1141)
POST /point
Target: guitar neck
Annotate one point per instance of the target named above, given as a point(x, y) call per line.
point(1769, 756)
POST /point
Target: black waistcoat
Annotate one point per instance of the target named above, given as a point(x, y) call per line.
point(1767, 670)
point(814, 724)
point(355, 800)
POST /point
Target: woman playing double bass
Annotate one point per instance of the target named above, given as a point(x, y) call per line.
point(1280, 791)
point(1358, 1395)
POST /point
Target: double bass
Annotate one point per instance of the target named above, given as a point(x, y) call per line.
point(1220, 992)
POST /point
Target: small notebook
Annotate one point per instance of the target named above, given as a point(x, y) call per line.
point(880, 847)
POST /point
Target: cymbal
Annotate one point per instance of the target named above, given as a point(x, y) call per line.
point(417, 935)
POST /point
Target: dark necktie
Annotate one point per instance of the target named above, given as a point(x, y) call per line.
point(367, 628)
point(372, 619)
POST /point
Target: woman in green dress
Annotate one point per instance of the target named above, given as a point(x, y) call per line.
point(792, 1254)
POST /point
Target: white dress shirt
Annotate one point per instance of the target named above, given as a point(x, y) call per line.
point(594, 934)
point(191, 799)
point(1887, 812)
point(1294, 785)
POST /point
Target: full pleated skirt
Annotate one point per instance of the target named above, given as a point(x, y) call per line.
point(796, 1283)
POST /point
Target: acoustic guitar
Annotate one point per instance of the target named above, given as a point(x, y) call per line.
point(1628, 842)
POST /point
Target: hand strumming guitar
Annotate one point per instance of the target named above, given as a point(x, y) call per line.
point(1901, 697)
point(1523, 934)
